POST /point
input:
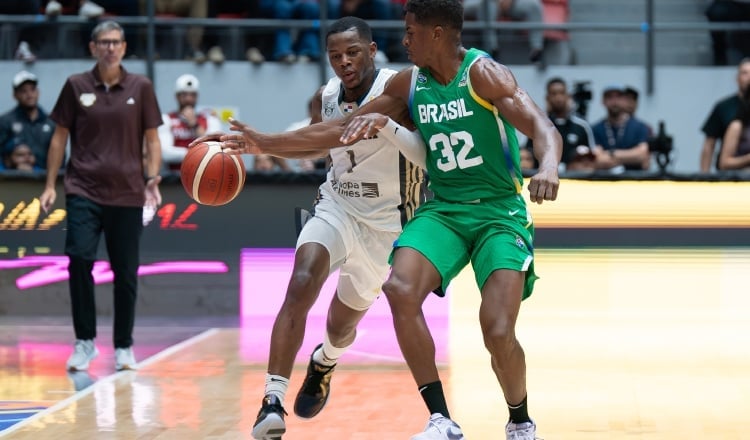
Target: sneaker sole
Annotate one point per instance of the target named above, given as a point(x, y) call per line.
point(84, 366)
point(125, 368)
point(270, 428)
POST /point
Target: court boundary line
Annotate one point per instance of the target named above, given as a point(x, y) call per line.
point(172, 349)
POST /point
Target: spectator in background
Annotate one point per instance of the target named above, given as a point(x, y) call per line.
point(522, 10)
point(307, 45)
point(27, 123)
point(258, 43)
point(735, 155)
point(727, 11)
point(111, 117)
point(26, 34)
point(722, 114)
point(190, 9)
point(183, 125)
point(577, 137)
point(621, 140)
point(371, 10)
point(18, 156)
point(630, 103)
point(84, 8)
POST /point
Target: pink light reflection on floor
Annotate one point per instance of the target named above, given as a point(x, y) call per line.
point(264, 275)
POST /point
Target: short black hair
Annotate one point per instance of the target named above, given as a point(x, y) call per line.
point(344, 24)
point(447, 13)
point(556, 80)
point(632, 92)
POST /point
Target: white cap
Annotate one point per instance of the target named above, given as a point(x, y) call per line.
point(187, 83)
point(23, 77)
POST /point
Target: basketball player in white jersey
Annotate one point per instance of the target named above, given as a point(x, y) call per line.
point(369, 192)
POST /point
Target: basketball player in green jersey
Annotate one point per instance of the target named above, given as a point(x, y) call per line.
point(466, 108)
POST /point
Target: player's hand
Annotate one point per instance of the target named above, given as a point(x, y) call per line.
point(47, 199)
point(543, 185)
point(208, 137)
point(363, 127)
point(247, 141)
point(152, 193)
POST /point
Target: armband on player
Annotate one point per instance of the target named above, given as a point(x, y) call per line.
point(409, 142)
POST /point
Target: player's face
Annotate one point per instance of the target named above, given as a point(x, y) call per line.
point(108, 48)
point(352, 59)
point(416, 40)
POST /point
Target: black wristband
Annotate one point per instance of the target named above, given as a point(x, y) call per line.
point(147, 178)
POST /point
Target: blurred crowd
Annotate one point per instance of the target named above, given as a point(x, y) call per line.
point(620, 142)
point(260, 44)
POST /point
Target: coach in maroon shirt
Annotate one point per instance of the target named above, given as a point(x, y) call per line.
point(110, 115)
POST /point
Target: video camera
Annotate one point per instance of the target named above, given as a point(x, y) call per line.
point(661, 145)
point(582, 96)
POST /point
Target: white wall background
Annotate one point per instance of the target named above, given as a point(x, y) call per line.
point(271, 96)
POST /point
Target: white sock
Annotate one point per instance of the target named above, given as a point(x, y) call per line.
point(328, 355)
point(277, 385)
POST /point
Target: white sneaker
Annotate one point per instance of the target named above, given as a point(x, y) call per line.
point(53, 8)
point(520, 431)
point(125, 359)
point(90, 10)
point(23, 53)
point(440, 427)
point(83, 353)
point(216, 55)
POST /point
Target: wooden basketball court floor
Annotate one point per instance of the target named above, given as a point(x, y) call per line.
point(620, 344)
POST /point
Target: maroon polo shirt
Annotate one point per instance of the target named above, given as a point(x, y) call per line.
point(107, 126)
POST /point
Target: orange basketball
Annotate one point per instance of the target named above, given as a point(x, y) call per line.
point(210, 176)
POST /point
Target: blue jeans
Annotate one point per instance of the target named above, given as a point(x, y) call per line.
point(307, 41)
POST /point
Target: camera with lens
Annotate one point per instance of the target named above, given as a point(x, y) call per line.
point(661, 145)
point(582, 96)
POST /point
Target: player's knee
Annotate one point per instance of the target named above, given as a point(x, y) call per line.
point(304, 281)
point(303, 289)
point(401, 295)
point(499, 338)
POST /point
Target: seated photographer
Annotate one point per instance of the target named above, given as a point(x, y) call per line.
point(621, 140)
point(735, 153)
point(578, 139)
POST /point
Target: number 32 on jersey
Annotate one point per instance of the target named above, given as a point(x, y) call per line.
point(450, 160)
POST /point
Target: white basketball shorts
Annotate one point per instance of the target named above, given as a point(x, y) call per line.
point(360, 252)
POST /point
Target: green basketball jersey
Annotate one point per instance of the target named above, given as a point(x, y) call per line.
point(472, 151)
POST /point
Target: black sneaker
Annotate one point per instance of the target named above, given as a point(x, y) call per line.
point(270, 422)
point(313, 395)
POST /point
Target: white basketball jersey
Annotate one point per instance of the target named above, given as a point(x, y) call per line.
point(370, 179)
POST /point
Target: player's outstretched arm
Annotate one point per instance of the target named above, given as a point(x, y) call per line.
point(495, 83)
point(391, 103)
